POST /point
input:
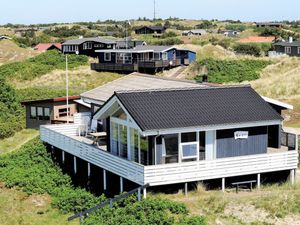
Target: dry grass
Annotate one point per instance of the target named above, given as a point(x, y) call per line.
point(17, 207)
point(281, 80)
point(81, 79)
point(15, 142)
point(275, 204)
point(10, 52)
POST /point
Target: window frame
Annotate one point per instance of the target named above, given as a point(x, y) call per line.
point(105, 56)
point(35, 109)
point(288, 50)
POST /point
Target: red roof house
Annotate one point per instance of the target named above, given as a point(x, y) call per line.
point(47, 46)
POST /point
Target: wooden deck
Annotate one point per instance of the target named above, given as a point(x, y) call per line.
point(158, 64)
point(65, 137)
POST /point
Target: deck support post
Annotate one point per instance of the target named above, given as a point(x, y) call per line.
point(121, 184)
point(89, 169)
point(75, 165)
point(292, 176)
point(139, 194)
point(223, 184)
point(63, 156)
point(186, 189)
point(145, 193)
point(258, 180)
point(104, 180)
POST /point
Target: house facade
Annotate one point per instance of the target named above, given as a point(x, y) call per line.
point(178, 135)
point(150, 30)
point(149, 59)
point(51, 111)
point(87, 46)
point(269, 25)
point(196, 32)
point(291, 48)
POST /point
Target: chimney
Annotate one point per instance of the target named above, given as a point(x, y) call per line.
point(204, 78)
point(291, 40)
point(80, 37)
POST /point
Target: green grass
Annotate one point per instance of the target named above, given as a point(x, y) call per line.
point(12, 143)
point(16, 207)
point(40, 65)
point(228, 70)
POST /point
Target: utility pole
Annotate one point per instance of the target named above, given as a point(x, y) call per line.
point(67, 88)
point(154, 15)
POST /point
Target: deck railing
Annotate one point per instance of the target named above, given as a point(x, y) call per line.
point(220, 168)
point(62, 137)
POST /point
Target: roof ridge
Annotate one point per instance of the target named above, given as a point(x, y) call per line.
point(183, 89)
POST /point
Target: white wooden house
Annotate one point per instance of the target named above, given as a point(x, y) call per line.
point(168, 136)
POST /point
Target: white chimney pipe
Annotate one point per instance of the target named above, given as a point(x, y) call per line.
point(290, 39)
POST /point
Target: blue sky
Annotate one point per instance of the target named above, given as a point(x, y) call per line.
point(48, 11)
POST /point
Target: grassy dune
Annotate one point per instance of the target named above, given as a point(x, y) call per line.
point(12, 143)
point(16, 207)
point(10, 52)
point(271, 205)
point(80, 79)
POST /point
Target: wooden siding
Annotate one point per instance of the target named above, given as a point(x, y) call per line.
point(256, 143)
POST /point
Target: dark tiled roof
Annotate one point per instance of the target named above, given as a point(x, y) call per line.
point(155, 28)
point(288, 44)
point(166, 109)
point(82, 40)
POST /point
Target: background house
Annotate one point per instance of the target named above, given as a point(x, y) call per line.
point(87, 46)
point(148, 59)
point(269, 25)
point(196, 32)
point(291, 48)
point(47, 46)
point(50, 111)
point(150, 30)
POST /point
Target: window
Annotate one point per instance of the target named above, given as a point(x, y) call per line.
point(123, 141)
point(63, 112)
point(298, 50)
point(107, 56)
point(87, 45)
point(164, 56)
point(189, 146)
point(120, 114)
point(288, 50)
point(46, 113)
point(40, 113)
point(144, 150)
point(32, 112)
point(99, 45)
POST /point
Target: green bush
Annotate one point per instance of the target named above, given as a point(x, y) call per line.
point(149, 211)
point(32, 169)
point(247, 49)
point(40, 65)
point(224, 71)
point(11, 116)
point(166, 41)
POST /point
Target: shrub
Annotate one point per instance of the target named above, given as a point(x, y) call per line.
point(166, 41)
point(32, 169)
point(40, 65)
point(11, 116)
point(224, 71)
point(247, 49)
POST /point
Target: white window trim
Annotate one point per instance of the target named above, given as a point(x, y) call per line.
point(288, 50)
point(107, 54)
point(189, 143)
